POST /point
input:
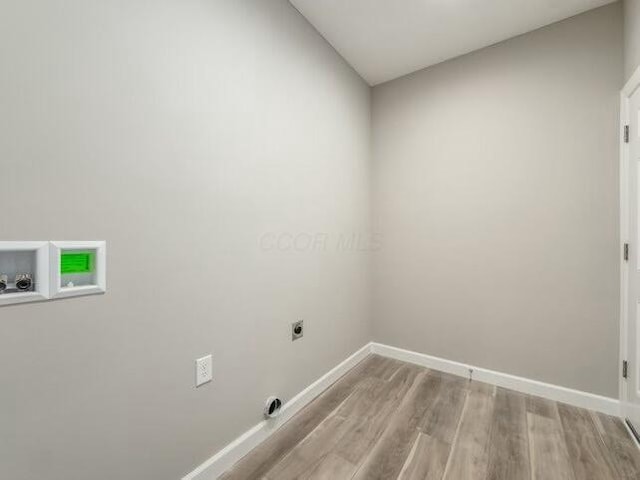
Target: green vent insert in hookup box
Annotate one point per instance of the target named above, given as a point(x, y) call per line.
point(76, 262)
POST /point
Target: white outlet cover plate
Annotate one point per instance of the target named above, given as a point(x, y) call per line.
point(204, 370)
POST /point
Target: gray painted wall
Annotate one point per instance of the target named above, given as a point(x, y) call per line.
point(631, 37)
point(181, 132)
point(495, 193)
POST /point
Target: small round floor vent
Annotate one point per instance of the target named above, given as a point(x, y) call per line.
point(272, 408)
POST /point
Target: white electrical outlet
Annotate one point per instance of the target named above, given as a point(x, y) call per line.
point(204, 370)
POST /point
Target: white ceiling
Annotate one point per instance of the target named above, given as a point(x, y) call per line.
point(385, 39)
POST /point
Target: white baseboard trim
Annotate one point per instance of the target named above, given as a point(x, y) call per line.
point(610, 406)
point(229, 455)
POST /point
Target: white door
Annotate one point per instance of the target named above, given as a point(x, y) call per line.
point(631, 267)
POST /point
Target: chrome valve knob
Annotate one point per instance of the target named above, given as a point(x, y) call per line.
point(24, 282)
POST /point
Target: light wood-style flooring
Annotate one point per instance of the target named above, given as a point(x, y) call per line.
point(390, 420)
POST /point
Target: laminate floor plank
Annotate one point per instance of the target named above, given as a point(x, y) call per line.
point(588, 458)
point(332, 467)
point(609, 426)
point(577, 420)
point(624, 457)
point(509, 442)
point(622, 452)
point(389, 454)
point(427, 459)
point(383, 368)
point(389, 420)
point(541, 406)
point(585, 445)
point(547, 449)
point(441, 421)
point(367, 429)
point(469, 457)
point(311, 452)
point(372, 392)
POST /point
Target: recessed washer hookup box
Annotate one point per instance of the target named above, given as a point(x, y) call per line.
point(24, 272)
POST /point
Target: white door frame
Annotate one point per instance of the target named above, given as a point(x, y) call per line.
point(627, 91)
